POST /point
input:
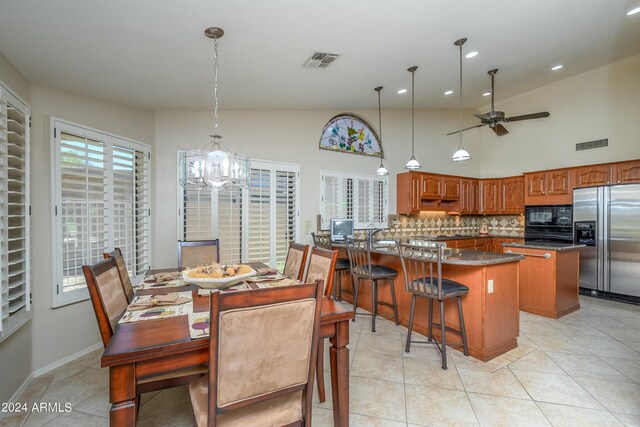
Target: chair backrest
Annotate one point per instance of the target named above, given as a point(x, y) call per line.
point(359, 251)
point(322, 265)
point(116, 254)
point(422, 266)
point(263, 346)
point(296, 260)
point(198, 252)
point(107, 295)
point(321, 240)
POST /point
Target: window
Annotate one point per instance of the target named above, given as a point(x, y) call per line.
point(15, 283)
point(357, 196)
point(254, 225)
point(101, 201)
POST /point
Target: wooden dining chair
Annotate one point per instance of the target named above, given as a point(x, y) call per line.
point(322, 264)
point(198, 252)
point(109, 304)
point(342, 264)
point(296, 260)
point(116, 254)
point(262, 350)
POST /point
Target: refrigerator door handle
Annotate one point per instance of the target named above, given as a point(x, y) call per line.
point(606, 227)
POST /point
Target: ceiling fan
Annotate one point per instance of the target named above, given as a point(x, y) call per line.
point(495, 118)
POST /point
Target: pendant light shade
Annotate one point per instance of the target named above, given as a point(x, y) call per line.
point(382, 171)
point(461, 154)
point(412, 164)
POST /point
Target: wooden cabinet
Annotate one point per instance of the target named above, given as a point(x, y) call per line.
point(589, 176)
point(489, 196)
point(468, 196)
point(440, 187)
point(496, 243)
point(512, 195)
point(626, 173)
point(409, 192)
point(450, 188)
point(548, 187)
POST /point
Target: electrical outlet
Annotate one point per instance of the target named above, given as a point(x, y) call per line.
point(490, 286)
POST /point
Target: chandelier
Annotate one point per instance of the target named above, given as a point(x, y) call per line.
point(214, 166)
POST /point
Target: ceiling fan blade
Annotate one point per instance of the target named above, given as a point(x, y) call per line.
point(500, 130)
point(483, 116)
point(527, 117)
point(462, 130)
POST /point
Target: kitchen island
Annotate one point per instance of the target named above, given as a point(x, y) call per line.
point(490, 308)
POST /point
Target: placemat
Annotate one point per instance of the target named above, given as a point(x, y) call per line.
point(199, 324)
point(159, 312)
point(277, 283)
point(161, 285)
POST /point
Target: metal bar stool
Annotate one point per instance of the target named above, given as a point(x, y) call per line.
point(420, 281)
point(359, 251)
point(342, 264)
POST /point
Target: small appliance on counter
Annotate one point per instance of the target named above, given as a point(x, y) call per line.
point(340, 228)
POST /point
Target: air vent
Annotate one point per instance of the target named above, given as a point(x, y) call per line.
point(321, 60)
point(590, 145)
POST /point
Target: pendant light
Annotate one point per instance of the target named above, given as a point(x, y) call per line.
point(214, 166)
point(412, 164)
point(461, 154)
point(382, 171)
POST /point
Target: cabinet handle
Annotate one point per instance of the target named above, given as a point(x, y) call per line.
point(547, 255)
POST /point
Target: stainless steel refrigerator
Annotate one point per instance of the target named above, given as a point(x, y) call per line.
point(607, 220)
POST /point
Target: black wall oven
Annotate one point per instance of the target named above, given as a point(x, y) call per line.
point(548, 224)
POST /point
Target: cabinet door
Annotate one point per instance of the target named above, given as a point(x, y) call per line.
point(431, 186)
point(589, 176)
point(512, 195)
point(469, 196)
point(558, 182)
point(536, 184)
point(416, 192)
point(489, 203)
point(408, 193)
point(450, 188)
point(627, 173)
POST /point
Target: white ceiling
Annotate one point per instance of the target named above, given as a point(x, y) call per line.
point(153, 54)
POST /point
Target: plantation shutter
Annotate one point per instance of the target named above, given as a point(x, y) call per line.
point(228, 226)
point(259, 216)
point(15, 286)
point(363, 202)
point(196, 214)
point(286, 213)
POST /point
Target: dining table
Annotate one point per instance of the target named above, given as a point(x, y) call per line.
point(157, 347)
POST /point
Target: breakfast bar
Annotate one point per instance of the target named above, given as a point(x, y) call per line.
point(490, 309)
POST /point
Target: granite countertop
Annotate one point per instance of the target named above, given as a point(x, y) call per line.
point(461, 256)
point(545, 246)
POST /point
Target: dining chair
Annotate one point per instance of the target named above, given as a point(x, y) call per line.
point(296, 260)
point(262, 350)
point(109, 304)
point(342, 264)
point(362, 268)
point(419, 263)
point(198, 252)
point(321, 267)
point(116, 254)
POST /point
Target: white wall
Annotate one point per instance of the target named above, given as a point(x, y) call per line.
point(602, 103)
point(292, 136)
point(61, 332)
point(15, 351)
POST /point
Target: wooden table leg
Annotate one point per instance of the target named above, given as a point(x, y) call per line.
point(122, 395)
point(339, 356)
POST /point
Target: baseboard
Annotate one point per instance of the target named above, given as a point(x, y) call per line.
point(58, 363)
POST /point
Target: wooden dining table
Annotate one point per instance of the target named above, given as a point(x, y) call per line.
point(159, 347)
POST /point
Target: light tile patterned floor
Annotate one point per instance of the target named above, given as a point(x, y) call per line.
point(581, 370)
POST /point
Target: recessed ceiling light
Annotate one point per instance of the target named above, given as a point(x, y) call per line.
point(486, 94)
point(449, 92)
point(401, 91)
point(633, 11)
point(471, 54)
point(557, 67)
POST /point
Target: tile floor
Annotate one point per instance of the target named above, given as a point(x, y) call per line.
point(581, 370)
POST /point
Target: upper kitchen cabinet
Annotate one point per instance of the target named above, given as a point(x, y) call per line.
point(468, 196)
point(548, 187)
point(440, 187)
point(589, 176)
point(512, 195)
point(489, 196)
point(409, 192)
point(626, 173)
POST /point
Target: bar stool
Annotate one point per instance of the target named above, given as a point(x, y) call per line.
point(359, 251)
point(420, 281)
point(342, 264)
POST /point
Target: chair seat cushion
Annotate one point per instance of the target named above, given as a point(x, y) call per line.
point(377, 272)
point(450, 289)
point(342, 264)
point(280, 411)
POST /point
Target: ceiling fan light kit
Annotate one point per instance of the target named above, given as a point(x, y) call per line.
point(382, 171)
point(461, 154)
point(412, 164)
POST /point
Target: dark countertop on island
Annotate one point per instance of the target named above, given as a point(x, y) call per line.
point(461, 256)
point(544, 246)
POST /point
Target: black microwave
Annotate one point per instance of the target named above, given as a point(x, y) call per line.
point(550, 215)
